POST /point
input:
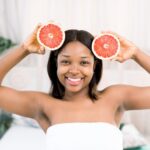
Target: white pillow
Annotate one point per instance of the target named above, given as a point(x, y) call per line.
point(24, 121)
point(132, 137)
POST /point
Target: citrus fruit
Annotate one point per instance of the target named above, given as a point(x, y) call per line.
point(51, 36)
point(106, 46)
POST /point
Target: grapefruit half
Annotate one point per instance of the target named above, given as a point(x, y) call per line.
point(51, 36)
point(106, 46)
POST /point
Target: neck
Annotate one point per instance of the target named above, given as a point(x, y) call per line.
point(81, 96)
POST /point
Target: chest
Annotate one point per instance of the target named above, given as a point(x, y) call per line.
point(70, 112)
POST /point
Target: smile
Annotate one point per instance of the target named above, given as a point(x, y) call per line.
point(73, 81)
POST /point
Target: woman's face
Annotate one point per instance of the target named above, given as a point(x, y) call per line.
point(75, 67)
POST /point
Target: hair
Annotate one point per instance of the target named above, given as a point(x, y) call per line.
point(85, 38)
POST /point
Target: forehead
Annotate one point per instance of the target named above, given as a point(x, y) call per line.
point(76, 48)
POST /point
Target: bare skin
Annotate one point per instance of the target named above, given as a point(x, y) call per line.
point(76, 105)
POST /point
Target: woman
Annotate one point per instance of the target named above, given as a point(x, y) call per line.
point(80, 116)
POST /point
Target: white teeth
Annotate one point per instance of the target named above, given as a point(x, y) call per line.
point(74, 80)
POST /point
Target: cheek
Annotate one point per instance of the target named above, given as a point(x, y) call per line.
point(89, 72)
point(61, 71)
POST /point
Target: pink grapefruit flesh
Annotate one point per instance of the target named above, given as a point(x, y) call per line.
point(106, 46)
point(51, 36)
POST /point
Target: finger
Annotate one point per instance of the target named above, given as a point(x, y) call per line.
point(119, 59)
point(109, 32)
point(37, 28)
point(41, 51)
point(51, 21)
point(42, 48)
point(122, 39)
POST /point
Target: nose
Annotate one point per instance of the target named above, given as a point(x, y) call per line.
point(74, 69)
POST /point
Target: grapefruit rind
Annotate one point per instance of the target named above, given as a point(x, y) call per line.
point(107, 57)
point(47, 47)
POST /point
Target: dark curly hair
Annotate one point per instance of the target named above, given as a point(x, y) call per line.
point(85, 38)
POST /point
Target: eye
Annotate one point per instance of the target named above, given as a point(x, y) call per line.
point(65, 62)
point(84, 62)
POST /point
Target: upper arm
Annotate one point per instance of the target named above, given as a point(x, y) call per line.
point(131, 97)
point(137, 97)
point(20, 102)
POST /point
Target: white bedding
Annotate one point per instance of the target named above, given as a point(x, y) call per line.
point(23, 138)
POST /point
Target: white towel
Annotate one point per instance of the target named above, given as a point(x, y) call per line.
point(84, 136)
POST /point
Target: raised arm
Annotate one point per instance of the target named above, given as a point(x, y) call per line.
point(16, 55)
point(20, 102)
point(133, 97)
point(142, 59)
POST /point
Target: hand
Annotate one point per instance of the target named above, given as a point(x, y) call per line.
point(127, 49)
point(32, 45)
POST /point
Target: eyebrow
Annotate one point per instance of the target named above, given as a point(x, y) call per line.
point(69, 56)
point(65, 55)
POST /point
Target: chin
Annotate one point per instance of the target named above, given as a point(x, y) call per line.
point(76, 89)
point(73, 90)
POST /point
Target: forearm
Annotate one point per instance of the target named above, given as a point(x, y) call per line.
point(11, 59)
point(142, 59)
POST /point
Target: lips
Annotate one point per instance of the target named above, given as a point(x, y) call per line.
point(74, 81)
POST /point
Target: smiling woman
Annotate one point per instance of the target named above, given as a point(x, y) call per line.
point(74, 103)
